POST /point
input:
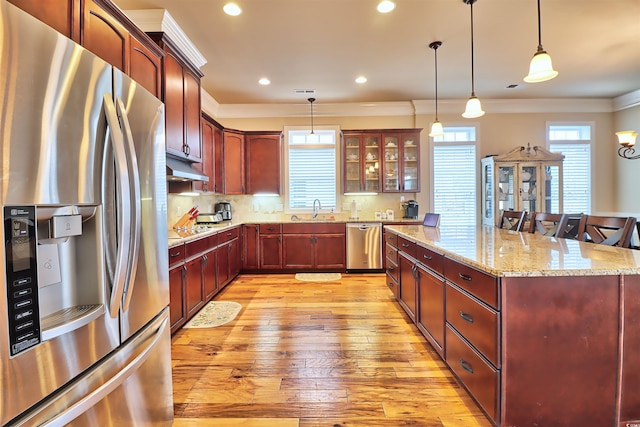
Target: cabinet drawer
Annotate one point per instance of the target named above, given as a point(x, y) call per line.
point(391, 239)
point(270, 228)
point(431, 259)
point(226, 235)
point(478, 283)
point(319, 228)
point(479, 324)
point(393, 270)
point(393, 285)
point(479, 377)
point(407, 246)
point(391, 253)
point(176, 255)
point(196, 247)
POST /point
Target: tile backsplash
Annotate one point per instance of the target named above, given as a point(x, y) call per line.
point(246, 208)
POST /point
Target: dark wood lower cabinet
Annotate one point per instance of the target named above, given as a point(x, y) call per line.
point(270, 252)
point(407, 296)
point(209, 276)
point(430, 317)
point(177, 311)
point(193, 289)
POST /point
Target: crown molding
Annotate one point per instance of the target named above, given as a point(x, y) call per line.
point(160, 20)
point(208, 104)
point(629, 100)
point(347, 109)
point(520, 106)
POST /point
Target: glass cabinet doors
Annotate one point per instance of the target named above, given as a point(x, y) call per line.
point(401, 162)
point(361, 159)
point(525, 179)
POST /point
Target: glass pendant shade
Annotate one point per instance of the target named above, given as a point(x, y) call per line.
point(436, 129)
point(627, 138)
point(540, 69)
point(474, 109)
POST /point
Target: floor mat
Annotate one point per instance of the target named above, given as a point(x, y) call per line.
point(318, 277)
point(215, 313)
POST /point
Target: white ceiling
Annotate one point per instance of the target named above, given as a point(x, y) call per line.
point(325, 44)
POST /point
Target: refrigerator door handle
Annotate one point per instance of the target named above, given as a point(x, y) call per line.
point(122, 255)
point(90, 400)
point(134, 202)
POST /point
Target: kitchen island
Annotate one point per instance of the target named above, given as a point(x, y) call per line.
point(540, 331)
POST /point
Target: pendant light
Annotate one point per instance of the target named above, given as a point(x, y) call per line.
point(540, 69)
point(312, 136)
point(436, 127)
point(473, 109)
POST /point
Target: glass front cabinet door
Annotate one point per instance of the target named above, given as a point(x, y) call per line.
point(361, 161)
point(526, 178)
point(401, 162)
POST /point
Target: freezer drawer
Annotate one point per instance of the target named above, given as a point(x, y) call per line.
point(364, 246)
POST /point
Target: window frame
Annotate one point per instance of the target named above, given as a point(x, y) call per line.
point(476, 142)
point(285, 162)
point(590, 142)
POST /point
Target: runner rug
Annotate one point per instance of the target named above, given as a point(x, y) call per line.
point(215, 313)
point(318, 277)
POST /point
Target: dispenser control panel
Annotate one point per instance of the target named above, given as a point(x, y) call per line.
point(22, 277)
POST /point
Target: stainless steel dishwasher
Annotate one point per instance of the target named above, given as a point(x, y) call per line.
point(364, 246)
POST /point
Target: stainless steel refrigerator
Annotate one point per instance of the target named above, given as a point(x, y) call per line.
point(84, 325)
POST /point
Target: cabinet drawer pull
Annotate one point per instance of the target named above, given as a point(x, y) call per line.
point(229, 234)
point(390, 253)
point(464, 277)
point(390, 268)
point(390, 284)
point(270, 228)
point(466, 366)
point(176, 254)
point(466, 317)
point(427, 257)
point(405, 245)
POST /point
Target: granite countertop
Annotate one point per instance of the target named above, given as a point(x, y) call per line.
point(177, 238)
point(522, 254)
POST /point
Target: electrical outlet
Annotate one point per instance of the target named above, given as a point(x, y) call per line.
point(346, 206)
point(359, 206)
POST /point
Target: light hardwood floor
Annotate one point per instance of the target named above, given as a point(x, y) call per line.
point(303, 354)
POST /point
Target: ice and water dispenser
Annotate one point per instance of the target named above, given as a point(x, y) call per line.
point(54, 279)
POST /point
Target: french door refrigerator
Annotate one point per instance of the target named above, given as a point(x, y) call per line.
point(84, 326)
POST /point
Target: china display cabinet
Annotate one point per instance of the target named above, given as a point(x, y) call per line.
point(361, 157)
point(401, 161)
point(524, 179)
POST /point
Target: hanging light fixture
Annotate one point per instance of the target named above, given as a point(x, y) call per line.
point(540, 69)
point(436, 127)
point(473, 109)
point(312, 136)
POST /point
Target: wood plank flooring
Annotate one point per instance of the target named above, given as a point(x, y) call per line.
point(303, 354)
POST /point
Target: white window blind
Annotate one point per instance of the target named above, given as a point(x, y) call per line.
point(454, 184)
point(576, 176)
point(312, 170)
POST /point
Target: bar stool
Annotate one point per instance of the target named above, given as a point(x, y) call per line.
point(512, 220)
point(548, 224)
point(606, 230)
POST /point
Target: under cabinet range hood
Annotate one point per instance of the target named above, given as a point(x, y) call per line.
point(183, 171)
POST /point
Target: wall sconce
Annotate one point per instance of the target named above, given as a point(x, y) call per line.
point(627, 140)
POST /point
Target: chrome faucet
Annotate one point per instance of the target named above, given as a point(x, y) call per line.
point(315, 210)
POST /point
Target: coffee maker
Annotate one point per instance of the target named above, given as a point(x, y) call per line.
point(410, 209)
point(224, 209)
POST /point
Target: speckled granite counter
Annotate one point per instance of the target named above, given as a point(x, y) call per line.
point(513, 254)
point(176, 238)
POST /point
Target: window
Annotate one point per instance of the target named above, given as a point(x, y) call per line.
point(574, 141)
point(311, 169)
point(454, 176)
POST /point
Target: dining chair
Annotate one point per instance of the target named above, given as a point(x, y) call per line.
point(512, 220)
point(548, 224)
point(606, 230)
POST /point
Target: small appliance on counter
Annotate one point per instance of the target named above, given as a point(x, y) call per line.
point(208, 218)
point(410, 209)
point(224, 209)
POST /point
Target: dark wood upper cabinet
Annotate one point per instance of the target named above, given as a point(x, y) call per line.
point(181, 96)
point(207, 166)
point(262, 162)
point(105, 36)
point(233, 154)
point(145, 67)
point(62, 15)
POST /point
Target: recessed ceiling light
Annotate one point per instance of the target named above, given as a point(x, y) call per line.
point(361, 79)
point(386, 6)
point(232, 9)
point(264, 81)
